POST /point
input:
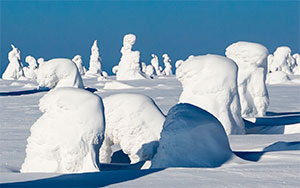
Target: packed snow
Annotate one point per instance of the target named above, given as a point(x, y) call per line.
point(59, 72)
point(68, 136)
point(129, 67)
point(210, 82)
point(14, 69)
point(133, 122)
point(251, 59)
point(191, 137)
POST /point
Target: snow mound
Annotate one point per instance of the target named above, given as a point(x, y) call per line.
point(68, 136)
point(251, 59)
point(277, 77)
point(59, 72)
point(78, 61)
point(282, 60)
point(210, 82)
point(191, 137)
point(30, 71)
point(117, 85)
point(129, 67)
point(14, 69)
point(134, 122)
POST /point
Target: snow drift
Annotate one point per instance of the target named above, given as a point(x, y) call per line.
point(129, 67)
point(191, 137)
point(210, 82)
point(14, 69)
point(134, 122)
point(59, 72)
point(251, 59)
point(68, 136)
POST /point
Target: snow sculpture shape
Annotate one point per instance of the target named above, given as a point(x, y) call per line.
point(30, 71)
point(251, 59)
point(144, 67)
point(168, 67)
point(78, 61)
point(282, 60)
point(155, 64)
point(150, 71)
point(68, 136)
point(59, 72)
point(129, 67)
point(191, 137)
point(14, 69)
point(41, 61)
point(134, 122)
point(210, 82)
point(296, 69)
point(95, 68)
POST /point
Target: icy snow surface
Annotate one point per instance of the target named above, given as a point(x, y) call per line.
point(273, 159)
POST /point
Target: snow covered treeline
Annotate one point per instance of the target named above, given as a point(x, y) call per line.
point(68, 136)
point(210, 82)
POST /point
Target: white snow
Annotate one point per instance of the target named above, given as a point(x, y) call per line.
point(59, 72)
point(31, 70)
point(168, 67)
point(155, 64)
point(150, 71)
point(14, 69)
point(251, 59)
point(116, 85)
point(277, 77)
point(282, 60)
point(78, 61)
point(95, 68)
point(191, 137)
point(41, 61)
point(68, 136)
point(134, 122)
point(129, 67)
point(210, 82)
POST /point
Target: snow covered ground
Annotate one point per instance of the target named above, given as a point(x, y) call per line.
point(269, 160)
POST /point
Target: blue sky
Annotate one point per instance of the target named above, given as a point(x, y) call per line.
point(52, 29)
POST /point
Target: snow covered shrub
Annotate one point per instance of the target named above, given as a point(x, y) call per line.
point(191, 137)
point(59, 72)
point(168, 67)
point(68, 136)
point(251, 59)
point(129, 67)
point(134, 122)
point(210, 82)
point(78, 61)
point(14, 69)
point(30, 71)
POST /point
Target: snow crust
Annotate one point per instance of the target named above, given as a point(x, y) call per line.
point(68, 136)
point(129, 67)
point(78, 61)
point(14, 69)
point(251, 59)
point(210, 82)
point(191, 137)
point(134, 122)
point(30, 71)
point(59, 72)
point(168, 67)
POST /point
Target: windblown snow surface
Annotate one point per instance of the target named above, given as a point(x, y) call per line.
point(267, 156)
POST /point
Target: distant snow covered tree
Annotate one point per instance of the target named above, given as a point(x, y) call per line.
point(14, 70)
point(144, 66)
point(78, 61)
point(150, 71)
point(59, 72)
point(41, 61)
point(134, 122)
point(191, 137)
point(129, 67)
point(168, 67)
point(210, 82)
point(95, 69)
point(155, 64)
point(68, 136)
point(30, 71)
point(282, 60)
point(296, 69)
point(251, 59)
